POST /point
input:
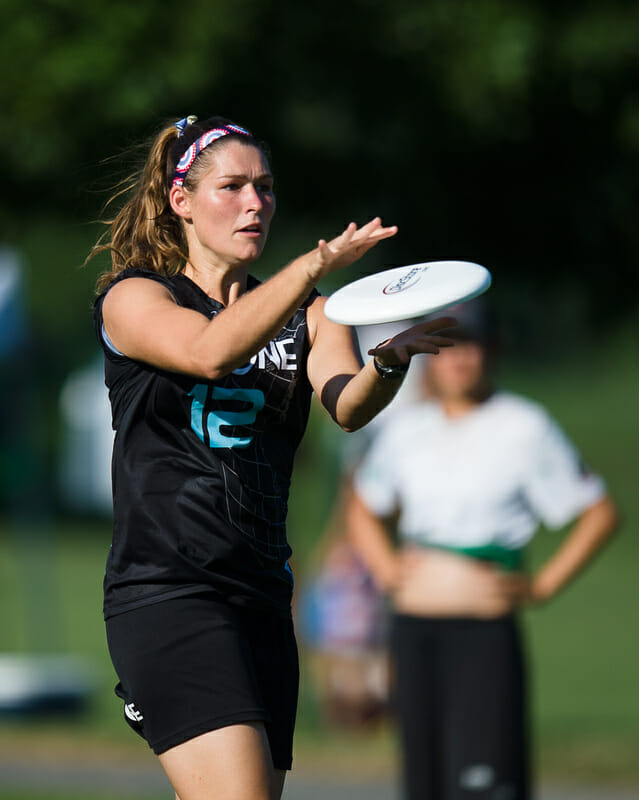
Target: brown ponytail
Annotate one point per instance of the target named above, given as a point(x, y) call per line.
point(145, 233)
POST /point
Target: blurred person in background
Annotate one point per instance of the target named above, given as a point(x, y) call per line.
point(445, 502)
point(210, 374)
point(342, 622)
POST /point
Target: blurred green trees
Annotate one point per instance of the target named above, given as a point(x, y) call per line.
point(502, 132)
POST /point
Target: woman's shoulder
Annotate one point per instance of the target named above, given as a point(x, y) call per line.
point(140, 273)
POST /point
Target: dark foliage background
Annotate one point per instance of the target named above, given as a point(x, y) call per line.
point(504, 132)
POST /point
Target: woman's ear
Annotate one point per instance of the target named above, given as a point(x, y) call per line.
point(180, 203)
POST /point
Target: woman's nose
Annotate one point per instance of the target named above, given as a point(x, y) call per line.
point(253, 198)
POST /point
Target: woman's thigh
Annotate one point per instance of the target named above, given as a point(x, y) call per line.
point(232, 763)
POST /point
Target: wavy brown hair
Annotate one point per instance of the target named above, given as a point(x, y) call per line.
point(146, 232)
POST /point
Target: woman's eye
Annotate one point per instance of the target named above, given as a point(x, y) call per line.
point(265, 187)
point(231, 186)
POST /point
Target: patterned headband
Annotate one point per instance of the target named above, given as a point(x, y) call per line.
point(192, 152)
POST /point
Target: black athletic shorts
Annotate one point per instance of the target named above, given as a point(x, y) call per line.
point(460, 697)
point(193, 664)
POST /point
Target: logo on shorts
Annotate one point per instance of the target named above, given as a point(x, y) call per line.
point(405, 282)
point(132, 713)
point(477, 777)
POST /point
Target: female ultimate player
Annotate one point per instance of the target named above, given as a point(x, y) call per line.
point(465, 478)
point(210, 374)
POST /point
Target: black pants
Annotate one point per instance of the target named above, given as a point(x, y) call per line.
point(461, 702)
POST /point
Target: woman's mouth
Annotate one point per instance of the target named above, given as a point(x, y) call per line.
point(253, 230)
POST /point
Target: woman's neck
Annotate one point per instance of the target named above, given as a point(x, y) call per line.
point(220, 282)
point(455, 407)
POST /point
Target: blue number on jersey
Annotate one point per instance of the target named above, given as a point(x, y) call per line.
point(213, 420)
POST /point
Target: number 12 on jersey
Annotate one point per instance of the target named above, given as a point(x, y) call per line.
point(203, 418)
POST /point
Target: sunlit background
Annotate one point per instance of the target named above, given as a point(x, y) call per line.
point(505, 133)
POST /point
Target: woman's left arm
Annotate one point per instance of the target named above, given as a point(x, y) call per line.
point(592, 529)
point(351, 392)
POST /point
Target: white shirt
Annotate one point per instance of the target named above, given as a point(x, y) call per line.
point(487, 478)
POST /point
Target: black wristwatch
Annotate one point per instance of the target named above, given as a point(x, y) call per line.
point(394, 372)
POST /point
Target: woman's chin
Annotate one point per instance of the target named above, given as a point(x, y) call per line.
point(251, 252)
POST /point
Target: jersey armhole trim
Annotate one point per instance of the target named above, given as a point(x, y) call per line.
point(109, 343)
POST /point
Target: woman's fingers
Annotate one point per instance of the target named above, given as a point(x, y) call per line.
point(403, 349)
point(420, 338)
point(370, 228)
point(346, 248)
point(349, 232)
point(364, 237)
point(429, 330)
point(441, 341)
point(516, 586)
point(375, 230)
point(345, 237)
point(439, 324)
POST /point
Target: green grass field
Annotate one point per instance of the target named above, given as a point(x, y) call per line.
point(584, 649)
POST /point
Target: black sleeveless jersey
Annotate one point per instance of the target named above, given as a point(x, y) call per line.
point(201, 469)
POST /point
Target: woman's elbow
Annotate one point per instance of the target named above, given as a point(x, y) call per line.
point(610, 516)
point(204, 369)
point(350, 423)
point(351, 428)
point(215, 372)
point(353, 418)
point(210, 368)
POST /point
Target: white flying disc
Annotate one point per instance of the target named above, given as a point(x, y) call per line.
point(407, 292)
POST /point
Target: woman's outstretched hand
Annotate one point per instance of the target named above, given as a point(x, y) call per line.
point(421, 338)
point(345, 248)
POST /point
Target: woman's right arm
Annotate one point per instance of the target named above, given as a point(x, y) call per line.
point(143, 320)
point(593, 528)
point(370, 538)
